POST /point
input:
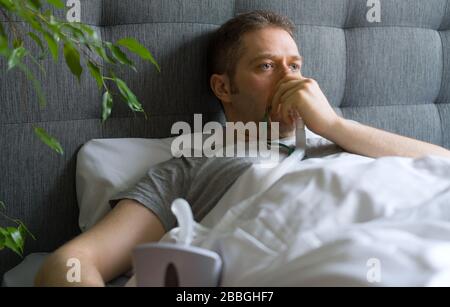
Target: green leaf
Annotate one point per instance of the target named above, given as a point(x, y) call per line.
point(134, 46)
point(37, 40)
point(24, 230)
point(16, 57)
point(95, 72)
point(102, 53)
point(16, 237)
point(9, 236)
point(36, 84)
point(75, 31)
point(120, 56)
point(48, 140)
point(36, 4)
point(87, 29)
point(18, 42)
point(56, 3)
point(36, 61)
point(2, 239)
point(129, 96)
point(9, 243)
point(106, 106)
point(2, 31)
point(8, 4)
point(13, 237)
point(72, 57)
point(31, 17)
point(4, 48)
point(52, 45)
point(47, 13)
point(90, 32)
point(55, 28)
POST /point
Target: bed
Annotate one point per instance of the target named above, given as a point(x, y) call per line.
point(393, 74)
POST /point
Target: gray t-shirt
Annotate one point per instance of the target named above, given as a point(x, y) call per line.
point(201, 181)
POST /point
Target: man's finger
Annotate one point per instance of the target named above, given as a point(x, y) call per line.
point(286, 115)
point(290, 109)
point(294, 83)
point(281, 87)
point(288, 78)
point(286, 94)
point(280, 90)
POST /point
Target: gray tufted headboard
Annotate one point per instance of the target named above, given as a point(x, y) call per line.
point(394, 75)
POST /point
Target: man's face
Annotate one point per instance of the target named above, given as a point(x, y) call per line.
point(269, 55)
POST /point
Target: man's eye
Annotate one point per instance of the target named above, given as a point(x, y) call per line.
point(295, 67)
point(266, 66)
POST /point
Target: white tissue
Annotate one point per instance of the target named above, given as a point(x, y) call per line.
point(183, 213)
point(300, 134)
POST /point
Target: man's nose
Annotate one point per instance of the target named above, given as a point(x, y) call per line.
point(286, 70)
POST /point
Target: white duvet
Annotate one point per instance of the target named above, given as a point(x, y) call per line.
point(340, 220)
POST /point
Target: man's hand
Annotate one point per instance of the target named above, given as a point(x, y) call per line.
point(296, 96)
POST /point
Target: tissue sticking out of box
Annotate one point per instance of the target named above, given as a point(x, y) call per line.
point(300, 134)
point(182, 211)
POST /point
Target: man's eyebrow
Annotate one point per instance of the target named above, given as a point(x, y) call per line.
point(271, 56)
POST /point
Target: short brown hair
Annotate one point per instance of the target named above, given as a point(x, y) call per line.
point(225, 45)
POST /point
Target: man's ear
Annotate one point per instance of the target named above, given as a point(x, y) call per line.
point(220, 85)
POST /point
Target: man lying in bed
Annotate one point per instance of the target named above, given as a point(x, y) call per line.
point(255, 63)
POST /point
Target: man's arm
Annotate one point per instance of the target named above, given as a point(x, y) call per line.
point(303, 97)
point(104, 251)
point(364, 140)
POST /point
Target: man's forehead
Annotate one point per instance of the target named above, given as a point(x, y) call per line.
point(271, 43)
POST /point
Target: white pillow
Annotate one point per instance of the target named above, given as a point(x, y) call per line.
point(106, 167)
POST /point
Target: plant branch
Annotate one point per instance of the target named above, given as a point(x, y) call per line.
point(11, 23)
